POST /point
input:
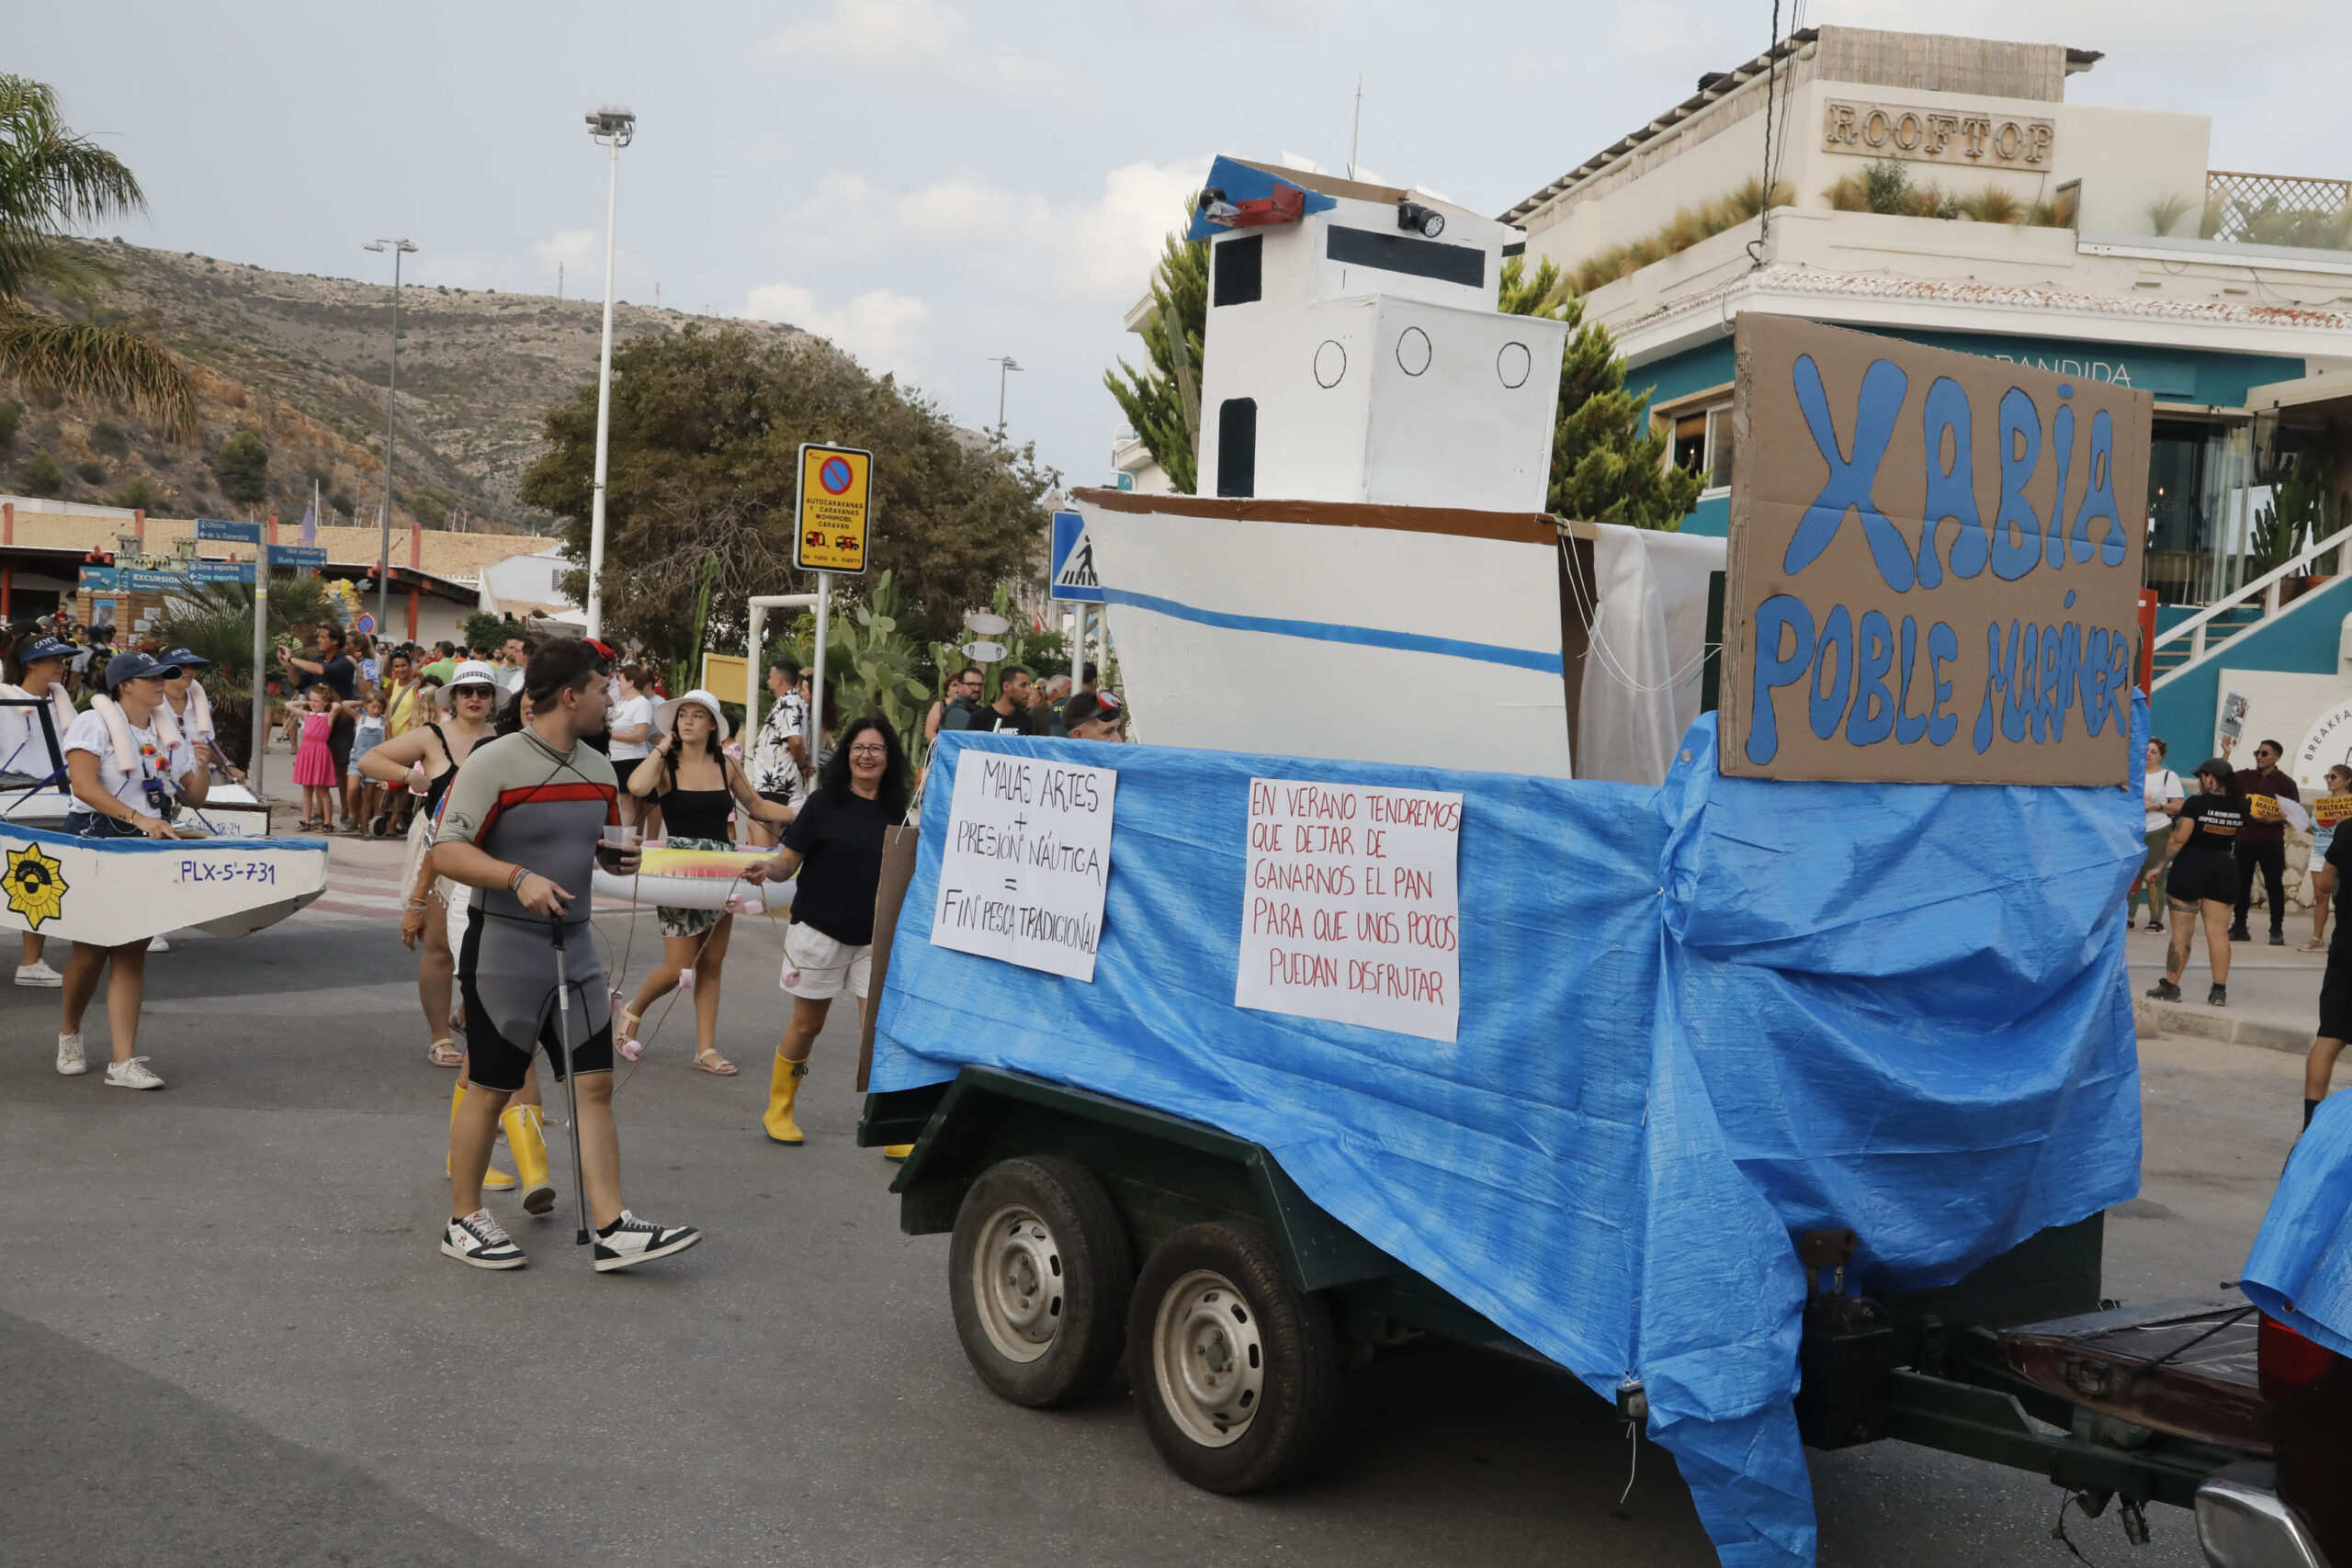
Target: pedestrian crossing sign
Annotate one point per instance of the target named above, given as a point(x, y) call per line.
point(835, 509)
point(1074, 576)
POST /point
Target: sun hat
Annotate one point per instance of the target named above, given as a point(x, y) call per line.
point(473, 672)
point(666, 717)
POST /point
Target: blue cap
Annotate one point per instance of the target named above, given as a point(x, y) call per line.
point(185, 659)
point(46, 648)
point(131, 666)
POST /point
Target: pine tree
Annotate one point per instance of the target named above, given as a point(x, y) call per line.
point(1608, 465)
point(1155, 404)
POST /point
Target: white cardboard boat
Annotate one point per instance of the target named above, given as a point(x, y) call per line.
point(111, 891)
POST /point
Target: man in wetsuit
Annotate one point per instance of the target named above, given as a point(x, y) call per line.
point(520, 827)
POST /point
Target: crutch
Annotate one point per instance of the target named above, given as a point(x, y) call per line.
point(570, 1079)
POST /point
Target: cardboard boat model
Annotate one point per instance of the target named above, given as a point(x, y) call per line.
point(1369, 572)
point(227, 876)
point(698, 879)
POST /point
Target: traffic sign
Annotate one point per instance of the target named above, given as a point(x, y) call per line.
point(983, 652)
point(988, 623)
point(1073, 562)
point(297, 554)
point(835, 511)
point(228, 532)
point(143, 581)
point(366, 625)
point(221, 572)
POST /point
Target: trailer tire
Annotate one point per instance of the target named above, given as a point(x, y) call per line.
point(1237, 1370)
point(1038, 1275)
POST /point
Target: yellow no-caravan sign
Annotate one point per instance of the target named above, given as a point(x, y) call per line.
point(836, 506)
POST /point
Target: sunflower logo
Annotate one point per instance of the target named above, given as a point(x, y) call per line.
point(35, 885)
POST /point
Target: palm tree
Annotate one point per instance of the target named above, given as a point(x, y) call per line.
point(51, 179)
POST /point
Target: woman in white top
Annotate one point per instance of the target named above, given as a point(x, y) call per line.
point(630, 730)
point(37, 668)
point(2163, 796)
point(191, 710)
point(115, 801)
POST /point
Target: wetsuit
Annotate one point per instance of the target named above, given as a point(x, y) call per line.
point(522, 801)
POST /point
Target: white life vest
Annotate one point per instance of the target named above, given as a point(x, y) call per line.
point(200, 709)
point(126, 750)
point(61, 706)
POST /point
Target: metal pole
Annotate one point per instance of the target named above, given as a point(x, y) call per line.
point(392, 406)
point(261, 674)
point(816, 715)
point(604, 410)
point(755, 678)
point(570, 1079)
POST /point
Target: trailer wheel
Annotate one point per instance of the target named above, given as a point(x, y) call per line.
point(1238, 1372)
point(1038, 1277)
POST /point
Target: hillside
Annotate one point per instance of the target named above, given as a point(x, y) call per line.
point(300, 361)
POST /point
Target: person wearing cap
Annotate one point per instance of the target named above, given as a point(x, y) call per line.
point(35, 669)
point(191, 710)
point(697, 786)
point(127, 784)
point(1095, 716)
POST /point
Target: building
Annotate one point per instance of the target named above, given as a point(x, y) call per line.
point(1943, 189)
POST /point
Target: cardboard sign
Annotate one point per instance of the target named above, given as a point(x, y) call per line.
point(836, 506)
point(2329, 809)
point(1351, 910)
point(1026, 862)
point(2262, 809)
point(1934, 564)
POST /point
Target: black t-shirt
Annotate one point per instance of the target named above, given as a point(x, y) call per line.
point(1015, 723)
point(2339, 855)
point(840, 841)
point(2218, 820)
point(338, 673)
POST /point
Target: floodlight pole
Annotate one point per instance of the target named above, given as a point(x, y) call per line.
point(1004, 363)
point(392, 408)
point(617, 129)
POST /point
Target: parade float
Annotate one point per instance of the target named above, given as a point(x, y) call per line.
point(1475, 954)
point(223, 873)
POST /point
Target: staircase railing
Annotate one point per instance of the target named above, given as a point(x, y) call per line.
point(2267, 585)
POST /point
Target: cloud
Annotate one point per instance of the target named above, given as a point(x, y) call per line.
point(886, 332)
point(912, 39)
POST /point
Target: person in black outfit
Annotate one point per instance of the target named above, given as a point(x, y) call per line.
point(835, 846)
point(2261, 847)
point(697, 787)
point(2335, 987)
point(333, 666)
point(2204, 878)
point(1009, 712)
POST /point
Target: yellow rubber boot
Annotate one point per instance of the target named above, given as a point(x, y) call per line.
point(896, 1151)
point(528, 1144)
point(494, 1179)
point(784, 1088)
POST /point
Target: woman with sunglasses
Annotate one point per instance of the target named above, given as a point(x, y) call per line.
point(835, 846)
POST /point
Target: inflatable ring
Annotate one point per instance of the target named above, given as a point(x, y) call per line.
point(698, 879)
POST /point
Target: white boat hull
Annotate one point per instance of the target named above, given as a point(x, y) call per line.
point(107, 892)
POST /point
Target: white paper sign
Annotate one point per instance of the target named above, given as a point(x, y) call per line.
point(1352, 911)
point(1027, 859)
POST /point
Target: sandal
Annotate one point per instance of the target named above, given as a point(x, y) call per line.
point(2314, 945)
point(445, 1054)
point(711, 1062)
point(625, 1038)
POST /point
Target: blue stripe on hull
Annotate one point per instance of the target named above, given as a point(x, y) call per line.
point(1320, 631)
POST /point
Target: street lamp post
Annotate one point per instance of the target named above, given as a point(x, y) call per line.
point(392, 405)
point(1003, 362)
point(617, 127)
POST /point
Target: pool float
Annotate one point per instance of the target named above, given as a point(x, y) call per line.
point(698, 879)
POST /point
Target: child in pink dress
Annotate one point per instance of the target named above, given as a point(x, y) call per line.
point(306, 729)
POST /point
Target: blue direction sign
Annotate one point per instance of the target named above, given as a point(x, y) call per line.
point(297, 554)
point(228, 532)
point(221, 572)
point(140, 580)
point(1073, 571)
point(106, 579)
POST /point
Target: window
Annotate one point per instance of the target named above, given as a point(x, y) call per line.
point(1240, 271)
point(1702, 443)
point(1237, 447)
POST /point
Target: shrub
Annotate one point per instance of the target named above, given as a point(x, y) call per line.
point(138, 495)
point(39, 474)
point(1685, 229)
point(107, 440)
point(93, 472)
point(2163, 214)
point(243, 468)
point(12, 414)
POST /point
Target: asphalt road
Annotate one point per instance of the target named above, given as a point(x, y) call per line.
point(226, 1335)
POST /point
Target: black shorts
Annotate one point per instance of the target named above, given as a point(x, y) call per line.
point(492, 1061)
point(2202, 873)
point(339, 748)
point(2335, 996)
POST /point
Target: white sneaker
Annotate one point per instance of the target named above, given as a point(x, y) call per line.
point(632, 1240)
point(38, 974)
point(159, 945)
point(69, 1055)
point(480, 1240)
point(132, 1074)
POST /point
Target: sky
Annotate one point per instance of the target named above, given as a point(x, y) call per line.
point(936, 183)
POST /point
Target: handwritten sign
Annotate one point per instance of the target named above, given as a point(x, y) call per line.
point(1351, 910)
point(1026, 862)
point(1934, 564)
point(2330, 810)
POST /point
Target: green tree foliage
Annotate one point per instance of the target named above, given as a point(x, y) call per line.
point(52, 181)
point(107, 440)
point(1154, 401)
point(483, 629)
point(1608, 465)
point(138, 495)
point(705, 432)
point(243, 468)
point(39, 474)
point(12, 414)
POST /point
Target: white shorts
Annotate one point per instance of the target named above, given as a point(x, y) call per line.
point(817, 967)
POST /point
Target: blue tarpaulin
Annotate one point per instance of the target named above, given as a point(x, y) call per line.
point(2301, 1269)
point(1693, 1019)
